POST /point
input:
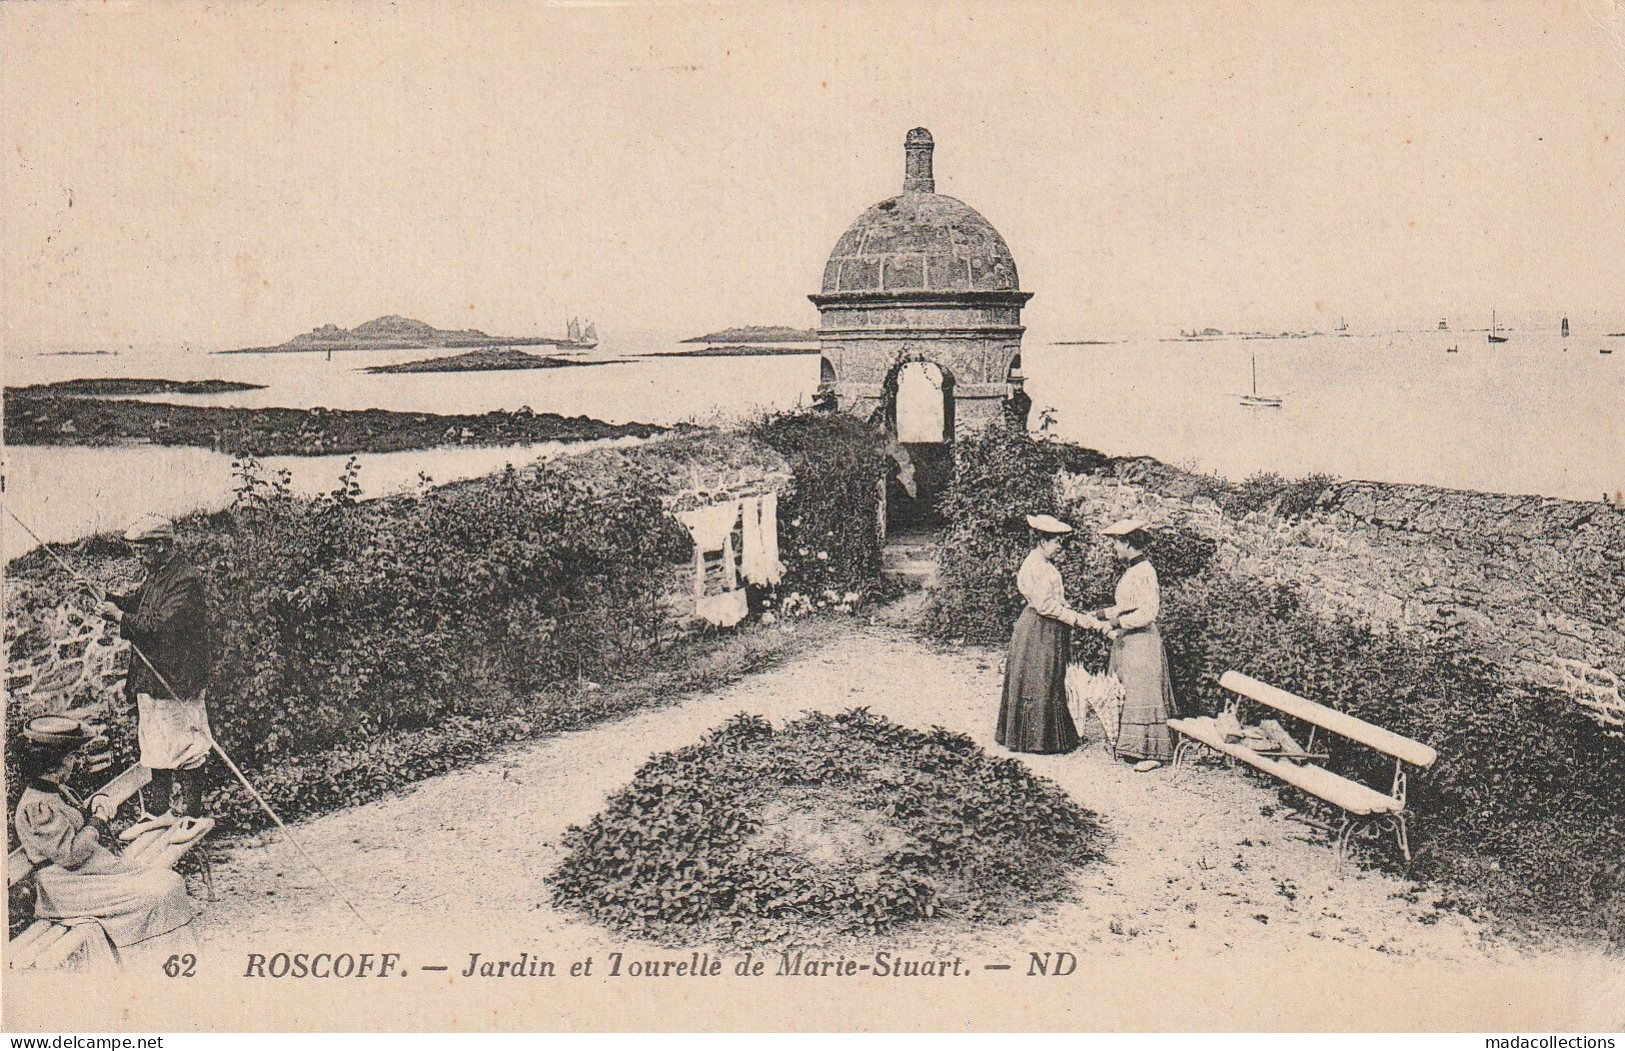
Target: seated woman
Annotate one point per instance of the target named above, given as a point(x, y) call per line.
point(141, 909)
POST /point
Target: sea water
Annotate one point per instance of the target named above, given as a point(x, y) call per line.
point(1537, 415)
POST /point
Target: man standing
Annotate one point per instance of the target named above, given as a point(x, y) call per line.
point(166, 618)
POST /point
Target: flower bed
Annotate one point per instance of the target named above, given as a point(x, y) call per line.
point(827, 826)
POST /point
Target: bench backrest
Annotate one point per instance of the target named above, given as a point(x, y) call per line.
point(118, 790)
point(1341, 723)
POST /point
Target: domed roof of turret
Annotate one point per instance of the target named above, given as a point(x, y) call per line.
point(920, 241)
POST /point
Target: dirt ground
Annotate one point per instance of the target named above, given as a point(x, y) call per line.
point(1203, 870)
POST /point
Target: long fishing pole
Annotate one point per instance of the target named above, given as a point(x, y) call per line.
point(220, 751)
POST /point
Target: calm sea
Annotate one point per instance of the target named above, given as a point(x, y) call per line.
point(1539, 414)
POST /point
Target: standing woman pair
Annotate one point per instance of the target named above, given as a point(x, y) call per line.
point(1033, 715)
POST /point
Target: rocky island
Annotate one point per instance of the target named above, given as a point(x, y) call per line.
point(89, 412)
point(758, 334)
point(393, 332)
point(484, 359)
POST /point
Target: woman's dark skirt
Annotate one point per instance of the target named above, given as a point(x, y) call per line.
point(1033, 716)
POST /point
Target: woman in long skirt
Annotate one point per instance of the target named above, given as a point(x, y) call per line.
point(143, 911)
point(1138, 658)
point(1033, 716)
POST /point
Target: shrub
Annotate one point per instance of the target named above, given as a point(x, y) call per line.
point(1268, 491)
point(1523, 778)
point(830, 825)
point(829, 520)
point(1000, 476)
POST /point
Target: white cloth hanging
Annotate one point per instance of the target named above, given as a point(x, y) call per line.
point(770, 538)
point(759, 545)
point(712, 530)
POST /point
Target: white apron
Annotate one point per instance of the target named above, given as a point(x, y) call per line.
point(174, 734)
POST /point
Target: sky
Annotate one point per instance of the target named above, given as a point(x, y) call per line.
point(235, 174)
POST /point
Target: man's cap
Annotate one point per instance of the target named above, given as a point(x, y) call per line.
point(152, 527)
point(1048, 524)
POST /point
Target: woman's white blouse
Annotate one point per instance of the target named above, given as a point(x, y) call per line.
point(1040, 584)
point(1137, 596)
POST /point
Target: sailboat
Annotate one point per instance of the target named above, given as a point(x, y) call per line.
point(1342, 325)
point(1565, 328)
point(1442, 326)
point(1256, 400)
point(1493, 338)
point(589, 335)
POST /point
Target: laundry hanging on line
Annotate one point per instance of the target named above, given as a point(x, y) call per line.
point(711, 529)
point(759, 543)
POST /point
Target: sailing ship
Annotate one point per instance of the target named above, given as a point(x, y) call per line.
point(1565, 328)
point(1442, 326)
point(576, 336)
point(1492, 337)
point(1256, 400)
point(1342, 325)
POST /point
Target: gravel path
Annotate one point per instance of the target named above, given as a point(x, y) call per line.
point(1203, 868)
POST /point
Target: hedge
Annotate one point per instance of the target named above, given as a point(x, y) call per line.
point(389, 631)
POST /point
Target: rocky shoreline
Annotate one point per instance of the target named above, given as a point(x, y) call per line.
point(72, 413)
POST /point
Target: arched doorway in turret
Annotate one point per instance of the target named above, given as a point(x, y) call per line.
point(919, 416)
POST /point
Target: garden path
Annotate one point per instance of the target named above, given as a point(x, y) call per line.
point(1203, 873)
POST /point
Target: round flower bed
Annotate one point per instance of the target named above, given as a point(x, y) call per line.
point(830, 825)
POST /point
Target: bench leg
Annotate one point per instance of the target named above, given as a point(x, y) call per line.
point(1402, 834)
point(1182, 752)
point(1345, 833)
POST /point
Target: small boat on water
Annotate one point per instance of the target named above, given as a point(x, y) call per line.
point(1342, 325)
point(1565, 328)
point(576, 336)
point(1452, 350)
point(1256, 400)
point(1493, 337)
point(1442, 326)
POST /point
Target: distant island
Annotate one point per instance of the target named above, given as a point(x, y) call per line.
point(393, 332)
point(78, 412)
point(758, 334)
point(485, 359)
point(113, 386)
point(1083, 342)
point(735, 351)
point(1197, 335)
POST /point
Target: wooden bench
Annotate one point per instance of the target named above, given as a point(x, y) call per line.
point(48, 945)
point(1364, 808)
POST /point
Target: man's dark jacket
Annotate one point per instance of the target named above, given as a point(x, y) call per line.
point(168, 617)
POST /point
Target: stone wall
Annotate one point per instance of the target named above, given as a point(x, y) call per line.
point(1537, 584)
point(61, 659)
